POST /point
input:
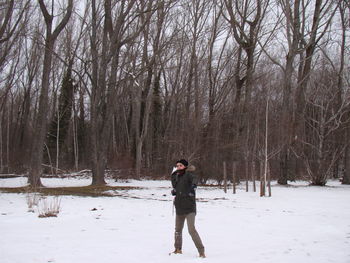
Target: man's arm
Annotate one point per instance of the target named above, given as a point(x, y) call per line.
point(194, 182)
point(173, 182)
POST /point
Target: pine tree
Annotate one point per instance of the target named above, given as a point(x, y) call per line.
point(59, 127)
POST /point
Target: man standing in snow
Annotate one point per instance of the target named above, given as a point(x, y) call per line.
point(184, 184)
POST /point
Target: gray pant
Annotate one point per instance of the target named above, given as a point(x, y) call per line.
point(179, 225)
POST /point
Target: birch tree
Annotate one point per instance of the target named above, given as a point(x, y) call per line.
point(320, 150)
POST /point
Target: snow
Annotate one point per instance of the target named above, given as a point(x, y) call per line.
point(297, 224)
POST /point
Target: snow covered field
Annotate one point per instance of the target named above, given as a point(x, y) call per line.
point(297, 224)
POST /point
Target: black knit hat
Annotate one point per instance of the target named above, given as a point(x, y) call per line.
point(183, 161)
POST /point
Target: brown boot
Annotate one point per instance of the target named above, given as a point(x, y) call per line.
point(202, 255)
point(177, 251)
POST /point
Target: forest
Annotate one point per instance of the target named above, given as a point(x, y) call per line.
point(131, 86)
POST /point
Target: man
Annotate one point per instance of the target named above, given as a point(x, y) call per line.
point(184, 185)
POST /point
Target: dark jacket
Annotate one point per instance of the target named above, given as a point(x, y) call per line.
point(184, 185)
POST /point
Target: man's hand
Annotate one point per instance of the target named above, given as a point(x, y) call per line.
point(193, 190)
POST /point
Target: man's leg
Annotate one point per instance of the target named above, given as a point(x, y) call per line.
point(193, 232)
point(179, 225)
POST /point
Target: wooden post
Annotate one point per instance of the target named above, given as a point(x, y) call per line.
point(246, 175)
point(234, 177)
point(266, 150)
point(269, 178)
point(225, 178)
point(262, 186)
point(253, 175)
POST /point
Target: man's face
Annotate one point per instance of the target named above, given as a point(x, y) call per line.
point(180, 166)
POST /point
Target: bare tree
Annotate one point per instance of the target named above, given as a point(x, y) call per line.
point(302, 37)
point(117, 32)
point(323, 13)
point(41, 122)
point(245, 19)
point(218, 85)
point(157, 80)
point(144, 93)
point(293, 34)
point(344, 7)
point(320, 149)
point(197, 12)
point(10, 26)
point(32, 57)
point(14, 18)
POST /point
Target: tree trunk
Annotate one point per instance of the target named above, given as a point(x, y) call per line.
point(139, 144)
point(98, 169)
point(343, 7)
point(35, 169)
point(234, 172)
point(225, 177)
point(1, 147)
point(293, 29)
point(346, 177)
point(286, 120)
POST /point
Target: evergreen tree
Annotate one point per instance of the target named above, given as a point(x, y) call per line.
point(60, 124)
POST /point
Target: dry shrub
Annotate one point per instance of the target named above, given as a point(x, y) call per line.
point(32, 201)
point(49, 208)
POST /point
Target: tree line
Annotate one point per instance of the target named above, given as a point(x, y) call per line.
point(135, 85)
